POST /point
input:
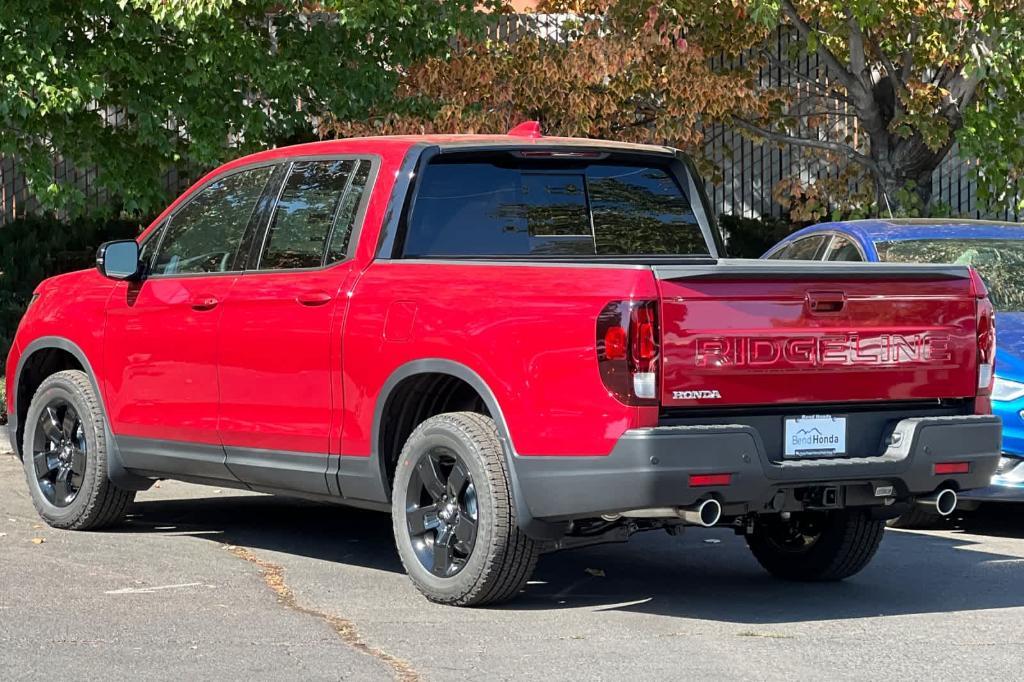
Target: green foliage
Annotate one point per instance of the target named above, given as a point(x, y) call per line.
point(751, 237)
point(993, 129)
point(917, 75)
point(194, 82)
point(36, 248)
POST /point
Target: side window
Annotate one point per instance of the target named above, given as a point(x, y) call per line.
point(843, 249)
point(782, 254)
point(147, 247)
point(807, 248)
point(344, 224)
point(204, 235)
point(317, 209)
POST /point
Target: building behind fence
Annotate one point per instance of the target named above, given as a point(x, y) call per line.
point(749, 170)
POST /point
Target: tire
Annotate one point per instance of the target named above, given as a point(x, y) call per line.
point(816, 546)
point(86, 499)
point(452, 485)
point(917, 517)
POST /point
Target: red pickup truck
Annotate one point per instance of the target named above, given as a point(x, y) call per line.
point(514, 344)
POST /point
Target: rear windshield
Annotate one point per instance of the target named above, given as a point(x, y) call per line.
point(515, 207)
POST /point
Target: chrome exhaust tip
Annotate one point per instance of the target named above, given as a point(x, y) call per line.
point(706, 514)
point(944, 501)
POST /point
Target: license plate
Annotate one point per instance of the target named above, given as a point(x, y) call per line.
point(815, 436)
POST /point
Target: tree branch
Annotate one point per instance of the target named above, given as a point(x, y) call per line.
point(840, 72)
point(865, 161)
point(858, 60)
point(895, 75)
point(908, 56)
point(816, 83)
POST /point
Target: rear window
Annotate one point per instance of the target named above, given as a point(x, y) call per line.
point(522, 208)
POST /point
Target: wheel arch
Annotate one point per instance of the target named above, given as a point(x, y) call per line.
point(46, 356)
point(381, 449)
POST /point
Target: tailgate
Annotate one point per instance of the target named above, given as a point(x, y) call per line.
point(769, 333)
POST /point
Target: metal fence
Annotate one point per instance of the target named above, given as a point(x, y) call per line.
point(749, 170)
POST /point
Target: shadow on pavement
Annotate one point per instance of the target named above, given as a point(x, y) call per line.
point(705, 574)
point(319, 531)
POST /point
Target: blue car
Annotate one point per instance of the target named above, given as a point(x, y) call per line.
point(996, 250)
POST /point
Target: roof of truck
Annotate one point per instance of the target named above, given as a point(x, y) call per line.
point(404, 142)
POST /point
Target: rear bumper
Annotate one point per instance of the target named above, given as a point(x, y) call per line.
point(651, 468)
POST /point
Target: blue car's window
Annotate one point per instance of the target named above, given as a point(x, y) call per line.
point(843, 249)
point(805, 248)
point(1000, 262)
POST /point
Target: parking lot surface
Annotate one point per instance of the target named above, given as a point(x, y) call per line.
point(216, 582)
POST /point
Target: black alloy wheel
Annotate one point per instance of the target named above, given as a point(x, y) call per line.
point(816, 545)
point(59, 452)
point(442, 512)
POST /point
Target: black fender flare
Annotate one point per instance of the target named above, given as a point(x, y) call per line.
point(116, 471)
point(368, 479)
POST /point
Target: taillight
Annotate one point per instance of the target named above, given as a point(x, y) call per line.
point(627, 350)
point(986, 326)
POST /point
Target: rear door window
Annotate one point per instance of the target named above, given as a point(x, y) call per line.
point(315, 214)
point(509, 208)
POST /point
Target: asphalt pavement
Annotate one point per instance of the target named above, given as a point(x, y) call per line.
point(205, 583)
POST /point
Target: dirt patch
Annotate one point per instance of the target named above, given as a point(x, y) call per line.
point(273, 576)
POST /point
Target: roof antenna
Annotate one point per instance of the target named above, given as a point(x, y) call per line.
point(885, 196)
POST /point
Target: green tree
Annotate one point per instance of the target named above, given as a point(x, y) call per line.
point(905, 80)
point(192, 83)
point(913, 76)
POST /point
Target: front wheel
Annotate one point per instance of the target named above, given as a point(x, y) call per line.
point(816, 546)
point(453, 515)
point(65, 456)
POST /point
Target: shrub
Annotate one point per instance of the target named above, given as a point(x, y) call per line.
point(751, 237)
point(32, 249)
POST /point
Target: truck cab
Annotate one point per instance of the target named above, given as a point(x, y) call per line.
point(512, 344)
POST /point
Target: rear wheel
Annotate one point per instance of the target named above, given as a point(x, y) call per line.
point(453, 516)
point(65, 456)
point(916, 517)
point(816, 546)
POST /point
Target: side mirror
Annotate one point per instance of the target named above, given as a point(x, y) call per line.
point(119, 260)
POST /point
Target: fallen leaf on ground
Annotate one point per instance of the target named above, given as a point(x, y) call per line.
point(38, 541)
point(596, 572)
point(766, 635)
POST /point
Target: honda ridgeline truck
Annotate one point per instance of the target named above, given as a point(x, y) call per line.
point(513, 344)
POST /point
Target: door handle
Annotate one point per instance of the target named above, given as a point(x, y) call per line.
point(204, 302)
point(313, 297)
point(825, 302)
